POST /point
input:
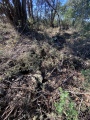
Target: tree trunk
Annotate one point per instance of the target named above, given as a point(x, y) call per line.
point(24, 14)
point(31, 5)
point(15, 11)
point(30, 9)
point(53, 13)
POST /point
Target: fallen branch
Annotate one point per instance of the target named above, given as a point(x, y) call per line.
point(79, 93)
point(8, 111)
point(80, 106)
point(24, 88)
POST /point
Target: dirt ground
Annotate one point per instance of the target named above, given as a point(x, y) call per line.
point(33, 67)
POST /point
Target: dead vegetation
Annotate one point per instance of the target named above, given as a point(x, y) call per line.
point(32, 70)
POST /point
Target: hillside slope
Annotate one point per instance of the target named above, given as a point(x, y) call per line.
point(34, 66)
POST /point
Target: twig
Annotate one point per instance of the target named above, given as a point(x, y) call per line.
point(68, 78)
point(79, 93)
point(36, 98)
point(27, 88)
point(9, 112)
point(51, 72)
point(23, 28)
point(6, 110)
point(80, 105)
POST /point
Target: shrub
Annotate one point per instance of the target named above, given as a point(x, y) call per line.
point(86, 74)
point(66, 106)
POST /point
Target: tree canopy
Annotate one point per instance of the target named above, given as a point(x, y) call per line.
point(49, 12)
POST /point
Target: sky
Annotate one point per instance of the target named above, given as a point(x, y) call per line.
point(63, 1)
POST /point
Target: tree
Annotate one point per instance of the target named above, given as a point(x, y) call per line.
point(53, 5)
point(19, 12)
point(15, 11)
point(80, 10)
point(30, 8)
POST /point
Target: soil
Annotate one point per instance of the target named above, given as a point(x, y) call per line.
point(32, 69)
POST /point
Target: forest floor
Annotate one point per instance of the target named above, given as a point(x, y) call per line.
point(34, 66)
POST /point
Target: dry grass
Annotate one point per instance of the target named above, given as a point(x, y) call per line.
point(24, 61)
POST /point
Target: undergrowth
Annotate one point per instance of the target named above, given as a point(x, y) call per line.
point(66, 106)
point(86, 74)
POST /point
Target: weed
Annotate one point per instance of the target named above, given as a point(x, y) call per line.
point(66, 106)
point(86, 74)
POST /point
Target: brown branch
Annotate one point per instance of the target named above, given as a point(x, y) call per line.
point(50, 5)
point(79, 93)
point(55, 9)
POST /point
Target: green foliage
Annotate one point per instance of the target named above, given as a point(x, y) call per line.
point(68, 15)
point(66, 106)
point(77, 13)
point(86, 74)
point(86, 30)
